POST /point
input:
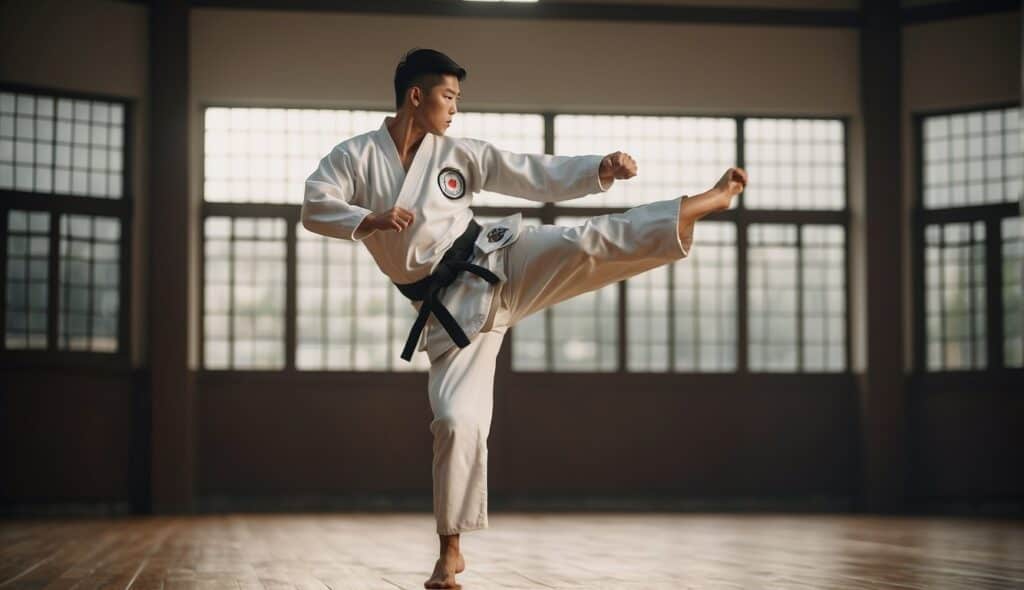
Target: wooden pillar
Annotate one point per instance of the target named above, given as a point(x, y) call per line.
point(883, 386)
point(172, 386)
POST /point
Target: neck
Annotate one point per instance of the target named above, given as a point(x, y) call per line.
point(406, 134)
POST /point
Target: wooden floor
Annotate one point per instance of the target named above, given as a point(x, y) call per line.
point(593, 551)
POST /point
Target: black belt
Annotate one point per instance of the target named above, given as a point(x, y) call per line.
point(428, 289)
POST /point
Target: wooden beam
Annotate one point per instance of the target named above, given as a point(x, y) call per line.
point(883, 390)
point(172, 385)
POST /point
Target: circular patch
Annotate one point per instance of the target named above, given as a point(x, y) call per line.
point(452, 184)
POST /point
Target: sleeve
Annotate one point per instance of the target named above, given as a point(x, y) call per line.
point(537, 177)
point(326, 207)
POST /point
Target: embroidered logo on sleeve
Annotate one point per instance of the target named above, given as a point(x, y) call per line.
point(496, 234)
point(452, 183)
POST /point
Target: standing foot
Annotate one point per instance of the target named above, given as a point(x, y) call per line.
point(449, 564)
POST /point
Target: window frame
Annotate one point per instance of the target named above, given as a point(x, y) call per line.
point(991, 215)
point(546, 213)
point(57, 205)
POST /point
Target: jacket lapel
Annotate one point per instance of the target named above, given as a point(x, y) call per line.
point(413, 179)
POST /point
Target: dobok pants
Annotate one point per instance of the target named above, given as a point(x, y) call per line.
point(544, 266)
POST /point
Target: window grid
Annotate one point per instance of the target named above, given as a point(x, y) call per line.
point(823, 298)
point(342, 299)
point(704, 286)
point(1013, 298)
point(89, 283)
point(972, 158)
point(649, 320)
point(967, 242)
point(773, 292)
point(61, 145)
point(28, 280)
point(798, 164)
point(675, 155)
point(261, 155)
point(63, 168)
point(955, 287)
point(244, 312)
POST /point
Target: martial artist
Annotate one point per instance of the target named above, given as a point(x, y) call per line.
point(404, 191)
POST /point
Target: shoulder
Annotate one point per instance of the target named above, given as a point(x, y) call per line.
point(464, 143)
point(355, 148)
point(474, 150)
point(359, 142)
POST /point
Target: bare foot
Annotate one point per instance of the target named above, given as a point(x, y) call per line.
point(449, 564)
point(719, 198)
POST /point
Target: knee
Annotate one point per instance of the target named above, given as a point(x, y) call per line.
point(456, 425)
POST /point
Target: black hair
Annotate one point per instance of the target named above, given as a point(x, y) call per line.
point(423, 68)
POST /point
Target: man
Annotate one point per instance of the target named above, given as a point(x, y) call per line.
point(405, 190)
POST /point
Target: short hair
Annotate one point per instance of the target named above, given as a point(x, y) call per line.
point(423, 68)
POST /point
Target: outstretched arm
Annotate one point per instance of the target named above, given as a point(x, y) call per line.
point(543, 177)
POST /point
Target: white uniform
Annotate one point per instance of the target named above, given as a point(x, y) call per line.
point(537, 267)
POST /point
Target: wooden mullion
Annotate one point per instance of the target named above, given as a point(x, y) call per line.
point(993, 293)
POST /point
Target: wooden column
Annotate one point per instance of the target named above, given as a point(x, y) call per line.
point(883, 387)
point(172, 387)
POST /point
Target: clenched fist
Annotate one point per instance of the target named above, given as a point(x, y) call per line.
point(394, 219)
point(732, 182)
point(616, 165)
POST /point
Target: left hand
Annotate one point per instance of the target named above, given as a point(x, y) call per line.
point(617, 165)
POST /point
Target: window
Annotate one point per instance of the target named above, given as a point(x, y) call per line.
point(777, 258)
point(682, 317)
point(350, 316)
point(256, 161)
point(257, 155)
point(765, 285)
point(89, 273)
point(28, 284)
point(797, 298)
point(795, 218)
point(704, 301)
point(244, 296)
point(799, 164)
point(969, 241)
point(675, 155)
point(66, 216)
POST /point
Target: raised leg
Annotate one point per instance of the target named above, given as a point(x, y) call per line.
point(549, 264)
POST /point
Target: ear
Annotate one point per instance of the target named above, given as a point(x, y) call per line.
point(415, 96)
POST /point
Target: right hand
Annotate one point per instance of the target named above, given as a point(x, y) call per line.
point(394, 219)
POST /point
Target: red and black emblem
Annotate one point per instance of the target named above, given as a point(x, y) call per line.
point(452, 183)
point(496, 234)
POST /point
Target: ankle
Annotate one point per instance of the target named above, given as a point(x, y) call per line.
point(450, 550)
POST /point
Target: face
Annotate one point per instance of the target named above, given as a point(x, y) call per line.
point(436, 109)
